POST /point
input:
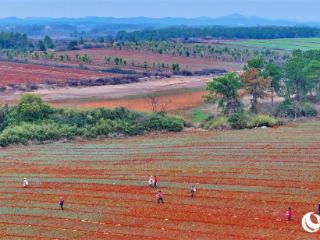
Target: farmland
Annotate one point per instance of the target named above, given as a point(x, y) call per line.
point(139, 57)
point(20, 74)
point(283, 44)
point(246, 180)
point(170, 101)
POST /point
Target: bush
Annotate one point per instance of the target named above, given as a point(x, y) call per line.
point(239, 120)
point(264, 120)
point(198, 116)
point(285, 109)
point(160, 122)
point(32, 120)
point(31, 108)
point(216, 123)
point(26, 132)
point(308, 110)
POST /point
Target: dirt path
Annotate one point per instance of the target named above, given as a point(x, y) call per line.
point(113, 91)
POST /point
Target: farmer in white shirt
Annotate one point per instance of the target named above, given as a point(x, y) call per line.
point(151, 181)
point(25, 183)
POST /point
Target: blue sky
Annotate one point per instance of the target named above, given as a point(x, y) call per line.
point(301, 10)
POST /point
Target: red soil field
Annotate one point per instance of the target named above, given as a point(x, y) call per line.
point(246, 180)
point(188, 63)
point(172, 102)
point(14, 73)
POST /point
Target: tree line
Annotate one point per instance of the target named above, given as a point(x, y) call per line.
point(271, 32)
point(18, 41)
point(217, 52)
point(297, 81)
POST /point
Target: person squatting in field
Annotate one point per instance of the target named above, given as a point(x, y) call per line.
point(160, 197)
point(151, 181)
point(25, 182)
point(193, 191)
point(61, 203)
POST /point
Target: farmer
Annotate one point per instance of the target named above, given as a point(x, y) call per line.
point(289, 214)
point(61, 203)
point(193, 190)
point(159, 197)
point(25, 183)
point(151, 181)
point(156, 180)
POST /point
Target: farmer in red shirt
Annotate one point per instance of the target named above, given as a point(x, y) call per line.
point(160, 197)
point(156, 180)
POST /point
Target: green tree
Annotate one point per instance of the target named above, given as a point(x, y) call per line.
point(224, 91)
point(48, 42)
point(275, 72)
point(313, 77)
point(175, 67)
point(31, 108)
point(296, 81)
point(41, 46)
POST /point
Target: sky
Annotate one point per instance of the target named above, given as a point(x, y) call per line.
point(298, 10)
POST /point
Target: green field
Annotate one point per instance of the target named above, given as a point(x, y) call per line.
point(284, 43)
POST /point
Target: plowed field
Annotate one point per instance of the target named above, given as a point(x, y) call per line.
point(139, 57)
point(245, 179)
point(14, 73)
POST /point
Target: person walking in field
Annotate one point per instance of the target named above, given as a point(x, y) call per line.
point(159, 197)
point(151, 181)
point(25, 183)
point(193, 191)
point(156, 180)
point(61, 203)
point(289, 214)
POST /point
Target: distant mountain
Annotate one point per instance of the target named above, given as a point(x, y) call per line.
point(230, 20)
point(103, 26)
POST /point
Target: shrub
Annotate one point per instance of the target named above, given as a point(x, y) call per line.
point(220, 122)
point(39, 132)
point(264, 120)
point(285, 109)
point(239, 120)
point(32, 120)
point(31, 108)
point(198, 116)
point(160, 122)
point(308, 110)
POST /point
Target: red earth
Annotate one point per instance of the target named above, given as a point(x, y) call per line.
point(168, 102)
point(16, 73)
point(139, 57)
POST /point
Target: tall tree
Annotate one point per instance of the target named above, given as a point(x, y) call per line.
point(255, 82)
point(296, 80)
point(224, 91)
point(275, 72)
point(48, 42)
point(313, 77)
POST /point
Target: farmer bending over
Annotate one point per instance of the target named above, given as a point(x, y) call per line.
point(61, 202)
point(160, 197)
